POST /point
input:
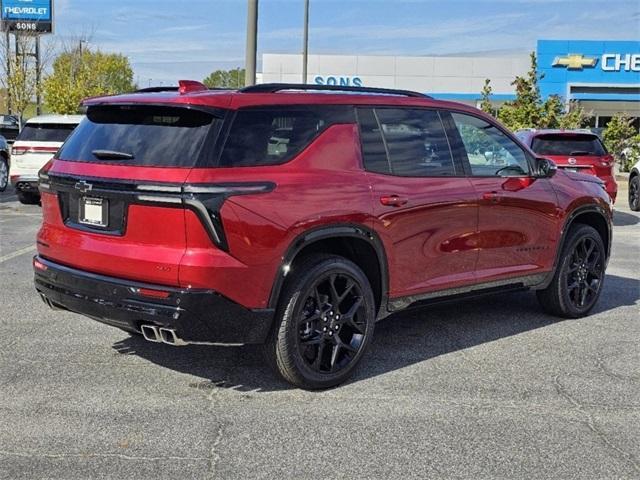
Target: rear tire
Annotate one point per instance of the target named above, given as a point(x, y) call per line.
point(577, 282)
point(28, 198)
point(324, 323)
point(634, 193)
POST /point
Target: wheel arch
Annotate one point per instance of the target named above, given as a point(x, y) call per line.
point(357, 243)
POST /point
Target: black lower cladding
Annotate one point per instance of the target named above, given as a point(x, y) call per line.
point(196, 315)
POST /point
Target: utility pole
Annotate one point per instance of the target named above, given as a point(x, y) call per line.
point(8, 56)
point(305, 42)
point(252, 43)
point(38, 71)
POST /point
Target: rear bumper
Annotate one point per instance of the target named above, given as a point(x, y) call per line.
point(25, 183)
point(197, 316)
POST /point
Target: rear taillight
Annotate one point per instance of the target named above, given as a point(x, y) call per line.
point(606, 161)
point(26, 149)
point(18, 150)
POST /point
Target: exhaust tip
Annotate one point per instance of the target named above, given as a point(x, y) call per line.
point(150, 333)
point(169, 336)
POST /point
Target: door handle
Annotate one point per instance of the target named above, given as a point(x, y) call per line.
point(393, 200)
point(493, 197)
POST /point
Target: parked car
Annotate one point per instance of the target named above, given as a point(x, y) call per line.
point(4, 164)
point(39, 140)
point(170, 214)
point(9, 127)
point(634, 187)
point(574, 150)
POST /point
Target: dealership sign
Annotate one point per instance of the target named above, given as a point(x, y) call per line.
point(27, 15)
point(338, 80)
point(609, 62)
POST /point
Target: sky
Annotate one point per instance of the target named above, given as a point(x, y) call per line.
point(167, 40)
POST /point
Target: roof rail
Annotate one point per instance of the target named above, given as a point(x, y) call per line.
point(278, 87)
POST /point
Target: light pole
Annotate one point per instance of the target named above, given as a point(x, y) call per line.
point(252, 43)
point(305, 42)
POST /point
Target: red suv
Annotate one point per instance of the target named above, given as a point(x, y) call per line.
point(574, 150)
point(297, 216)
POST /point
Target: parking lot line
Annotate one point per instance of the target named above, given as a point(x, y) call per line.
point(17, 253)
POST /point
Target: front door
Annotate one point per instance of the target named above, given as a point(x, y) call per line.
point(517, 217)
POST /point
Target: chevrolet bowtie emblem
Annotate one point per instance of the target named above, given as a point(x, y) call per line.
point(574, 61)
point(83, 186)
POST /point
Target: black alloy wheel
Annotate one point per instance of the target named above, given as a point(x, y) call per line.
point(332, 323)
point(585, 273)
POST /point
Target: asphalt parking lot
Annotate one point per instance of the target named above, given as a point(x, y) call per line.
point(486, 389)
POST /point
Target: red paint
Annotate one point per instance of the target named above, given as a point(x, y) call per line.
point(436, 232)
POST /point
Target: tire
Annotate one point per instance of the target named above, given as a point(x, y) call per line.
point(314, 344)
point(634, 193)
point(28, 198)
point(577, 282)
point(4, 174)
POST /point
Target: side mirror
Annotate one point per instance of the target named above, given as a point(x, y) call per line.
point(545, 168)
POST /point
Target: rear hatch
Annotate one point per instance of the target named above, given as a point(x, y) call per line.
point(37, 143)
point(575, 152)
point(112, 196)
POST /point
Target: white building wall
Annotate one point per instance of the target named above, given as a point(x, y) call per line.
point(457, 75)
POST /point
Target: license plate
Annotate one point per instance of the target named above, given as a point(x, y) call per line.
point(94, 211)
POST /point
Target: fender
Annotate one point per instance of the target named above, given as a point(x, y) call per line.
point(329, 232)
point(591, 208)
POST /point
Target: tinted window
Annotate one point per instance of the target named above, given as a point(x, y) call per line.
point(563, 144)
point(489, 150)
point(416, 142)
point(45, 132)
point(272, 136)
point(373, 151)
point(155, 136)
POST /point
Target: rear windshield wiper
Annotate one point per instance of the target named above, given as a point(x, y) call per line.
point(112, 155)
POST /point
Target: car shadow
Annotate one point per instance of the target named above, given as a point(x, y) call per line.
point(623, 219)
point(401, 340)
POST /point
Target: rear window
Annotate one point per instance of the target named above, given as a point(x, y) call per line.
point(156, 136)
point(275, 135)
point(563, 144)
point(45, 132)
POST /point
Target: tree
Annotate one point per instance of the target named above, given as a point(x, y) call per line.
point(81, 73)
point(618, 138)
point(529, 111)
point(485, 101)
point(225, 79)
point(20, 71)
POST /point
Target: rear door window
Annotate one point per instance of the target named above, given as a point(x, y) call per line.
point(567, 144)
point(155, 136)
point(270, 136)
point(45, 132)
point(414, 139)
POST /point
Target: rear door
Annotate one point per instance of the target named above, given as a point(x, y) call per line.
point(112, 198)
point(424, 207)
point(38, 142)
point(578, 152)
point(517, 217)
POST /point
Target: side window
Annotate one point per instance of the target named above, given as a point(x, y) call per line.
point(373, 151)
point(490, 151)
point(272, 136)
point(416, 142)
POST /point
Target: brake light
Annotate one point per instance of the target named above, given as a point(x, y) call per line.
point(147, 292)
point(27, 149)
point(39, 265)
point(606, 161)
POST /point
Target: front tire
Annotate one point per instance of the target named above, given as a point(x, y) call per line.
point(577, 282)
point(634, 193)
point(325, 322)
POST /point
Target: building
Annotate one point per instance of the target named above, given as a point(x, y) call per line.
point(604, 76)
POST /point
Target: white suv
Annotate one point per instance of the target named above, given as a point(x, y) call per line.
point(39, 140)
